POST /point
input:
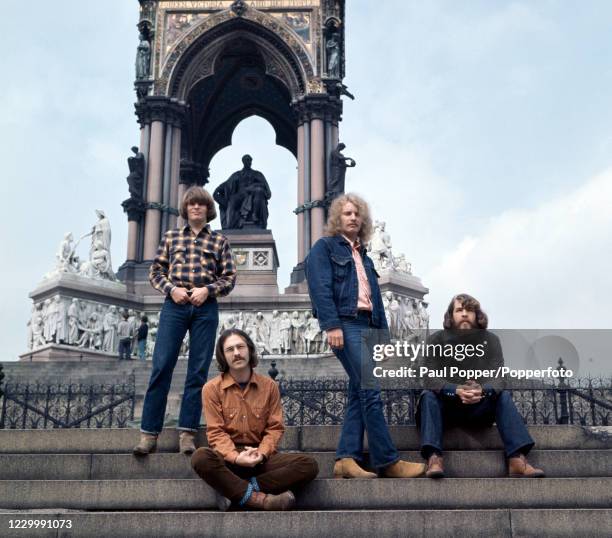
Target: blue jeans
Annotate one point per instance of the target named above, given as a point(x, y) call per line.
point(364, 410)
point(142, 348)
point(435, 412)
point(125, 346)
point(174, 322)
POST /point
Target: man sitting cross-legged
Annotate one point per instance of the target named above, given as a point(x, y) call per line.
point(466, 342)
point(244, 425)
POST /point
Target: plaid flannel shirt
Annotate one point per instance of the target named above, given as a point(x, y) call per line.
point(192, 261)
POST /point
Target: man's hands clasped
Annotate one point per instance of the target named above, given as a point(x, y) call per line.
point(249, 457)
point(196, 296)
point(470, 393)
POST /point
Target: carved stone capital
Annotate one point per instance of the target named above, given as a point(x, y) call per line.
point(318, 107)
point(155, 108)
point(134, 208)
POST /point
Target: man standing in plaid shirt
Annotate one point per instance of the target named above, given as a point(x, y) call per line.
point(193, 267)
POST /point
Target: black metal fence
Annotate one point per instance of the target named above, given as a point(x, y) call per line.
point(70, 405)
point(584, 402)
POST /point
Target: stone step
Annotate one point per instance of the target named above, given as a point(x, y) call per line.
point(381, 494)
point(305, 438)
point(516, 523)
point(458, 464)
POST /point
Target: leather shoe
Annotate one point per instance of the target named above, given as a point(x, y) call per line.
point(435, 467)
point(519, 467)
point(404, 469)
point(348, 468)
point(223, 503)
point(186, 443)
point(262, 501)
point(147, 445)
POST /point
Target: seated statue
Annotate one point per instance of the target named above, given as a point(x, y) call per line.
point(243, 198)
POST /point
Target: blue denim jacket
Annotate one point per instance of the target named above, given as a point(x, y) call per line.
point(333, 285)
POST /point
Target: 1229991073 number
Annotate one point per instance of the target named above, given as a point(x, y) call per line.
point(40, 523)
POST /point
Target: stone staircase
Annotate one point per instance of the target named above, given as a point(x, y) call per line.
point(90, 478)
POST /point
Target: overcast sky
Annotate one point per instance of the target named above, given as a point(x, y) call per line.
point(482, 132)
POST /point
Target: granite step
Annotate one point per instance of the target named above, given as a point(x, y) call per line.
point(331, 494)
point(502, 523)
point(304, 438)
point(458, 464)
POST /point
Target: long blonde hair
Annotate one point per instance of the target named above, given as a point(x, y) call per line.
point(335, 211)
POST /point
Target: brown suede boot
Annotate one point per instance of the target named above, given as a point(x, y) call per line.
point(348, 468)
point(519, 467)
point(435, 467)
point(147, 445)
point(261, 501)
point(186, 442)
point(404, 469)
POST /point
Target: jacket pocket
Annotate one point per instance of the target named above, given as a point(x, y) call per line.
point(341, 267)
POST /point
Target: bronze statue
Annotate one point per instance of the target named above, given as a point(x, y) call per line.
point(339, 164)
point(135, 179)
point(243, 198)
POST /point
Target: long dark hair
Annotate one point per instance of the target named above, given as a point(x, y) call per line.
point(220, 355)
point(469, 303)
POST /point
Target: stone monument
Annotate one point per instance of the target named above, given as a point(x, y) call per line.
point(201, 68)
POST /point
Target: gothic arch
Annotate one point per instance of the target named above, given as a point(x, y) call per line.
point(194, 57)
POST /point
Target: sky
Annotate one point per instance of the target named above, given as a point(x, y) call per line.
point(482, 132)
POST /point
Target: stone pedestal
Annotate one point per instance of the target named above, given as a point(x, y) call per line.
point(257, 262)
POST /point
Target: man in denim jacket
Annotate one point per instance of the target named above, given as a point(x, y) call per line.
point(347, 302)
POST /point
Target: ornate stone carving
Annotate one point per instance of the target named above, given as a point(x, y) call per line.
point(279, 39)
point(380, 249)
point(143, 58)
point(154, 108)
point(239, 7)
point(99, 265)
point(407, 317)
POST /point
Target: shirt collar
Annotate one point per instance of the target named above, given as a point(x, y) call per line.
point(227, 380)
point(353, 244)
point(205, 230)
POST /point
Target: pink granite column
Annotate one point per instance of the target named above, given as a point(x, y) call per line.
point(174, 176)
point(154, 190)
point(317, 182)
point(300, 192)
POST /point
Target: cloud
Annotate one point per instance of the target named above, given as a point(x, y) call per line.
point(546, 267)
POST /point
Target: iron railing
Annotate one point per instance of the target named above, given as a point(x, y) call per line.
point(67, 405)
point(584, 402)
